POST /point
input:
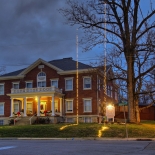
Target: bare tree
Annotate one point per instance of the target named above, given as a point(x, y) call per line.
point(130, 34)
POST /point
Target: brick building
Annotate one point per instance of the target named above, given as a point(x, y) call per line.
point(51, 88)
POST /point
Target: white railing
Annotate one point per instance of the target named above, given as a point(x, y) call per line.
point(33, 90)
point(32, 119)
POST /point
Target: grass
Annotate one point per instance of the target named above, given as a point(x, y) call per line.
point(144, 130)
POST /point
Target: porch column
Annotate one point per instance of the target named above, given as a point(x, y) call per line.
point(53, 105)
point(25, 107)
point(60, 106)
point(12, 99)
point(22, 104)
point(38, 106)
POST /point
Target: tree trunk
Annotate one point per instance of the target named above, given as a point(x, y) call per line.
point(130, 87)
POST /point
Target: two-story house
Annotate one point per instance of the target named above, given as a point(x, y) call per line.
point(54, 87)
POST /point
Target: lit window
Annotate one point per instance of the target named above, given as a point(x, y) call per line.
point(87, 105)
point(28, 84)
point(41, 79)
point(69, 84)
point(16, 107)
point(86, 83)
point(1, 89)
point(69, 106)
point(16, 85)
point(54, 82)
point(1, 108)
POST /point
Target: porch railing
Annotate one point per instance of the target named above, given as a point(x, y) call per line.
point(32, 119)
point(33, 90)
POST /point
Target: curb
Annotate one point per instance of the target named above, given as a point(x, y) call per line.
point(90, 138)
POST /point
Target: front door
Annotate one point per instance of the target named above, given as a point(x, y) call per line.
point(43, 106)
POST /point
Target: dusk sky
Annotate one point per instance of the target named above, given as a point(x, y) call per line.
point(32, 29)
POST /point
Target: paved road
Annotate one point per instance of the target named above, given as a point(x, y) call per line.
point(76, 147)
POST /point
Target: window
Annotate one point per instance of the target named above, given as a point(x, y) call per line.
point(54, 82)
point(1, 89)
point(16, 107)
point(87, 120)
point(29, 108)
point(56, 106)
point(87, 105)
point(15, 85)
point(1, 122)
point(1, 108)
point(28, 84)
point(69, 106)
point(69, 84)
point(41, 79)
point(86, 83)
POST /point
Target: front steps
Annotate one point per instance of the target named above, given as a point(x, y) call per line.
point(26, 120)
point(22, 121)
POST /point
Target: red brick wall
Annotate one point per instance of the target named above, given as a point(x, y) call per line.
point(51, 73)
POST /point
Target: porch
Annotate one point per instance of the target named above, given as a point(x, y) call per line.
point(44, 101)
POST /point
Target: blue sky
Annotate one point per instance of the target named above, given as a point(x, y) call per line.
point(33, 29)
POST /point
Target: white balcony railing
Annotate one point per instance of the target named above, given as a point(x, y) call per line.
point(35, 90)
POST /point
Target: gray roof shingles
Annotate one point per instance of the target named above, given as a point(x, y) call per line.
point(65, 64)
point(13, 73)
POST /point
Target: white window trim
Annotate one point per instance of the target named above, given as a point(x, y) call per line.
point(28, 82)
point(90, 83)
point(66, 108)
point(2, 103)
point(15, 83)
point(84, 104)
point(56, 79)
point(38, 80)
point(69, 78)
point(3, 88)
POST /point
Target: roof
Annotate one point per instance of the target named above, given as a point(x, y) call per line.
point(13, 73)
point(65, 64)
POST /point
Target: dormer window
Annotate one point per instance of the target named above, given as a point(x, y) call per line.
point(41, 79)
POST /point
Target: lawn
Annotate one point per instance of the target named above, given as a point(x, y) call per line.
point(144, 130)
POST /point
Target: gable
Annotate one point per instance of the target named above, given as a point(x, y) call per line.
point(36, 63)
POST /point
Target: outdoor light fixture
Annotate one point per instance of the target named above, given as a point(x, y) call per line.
point(110, 107)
